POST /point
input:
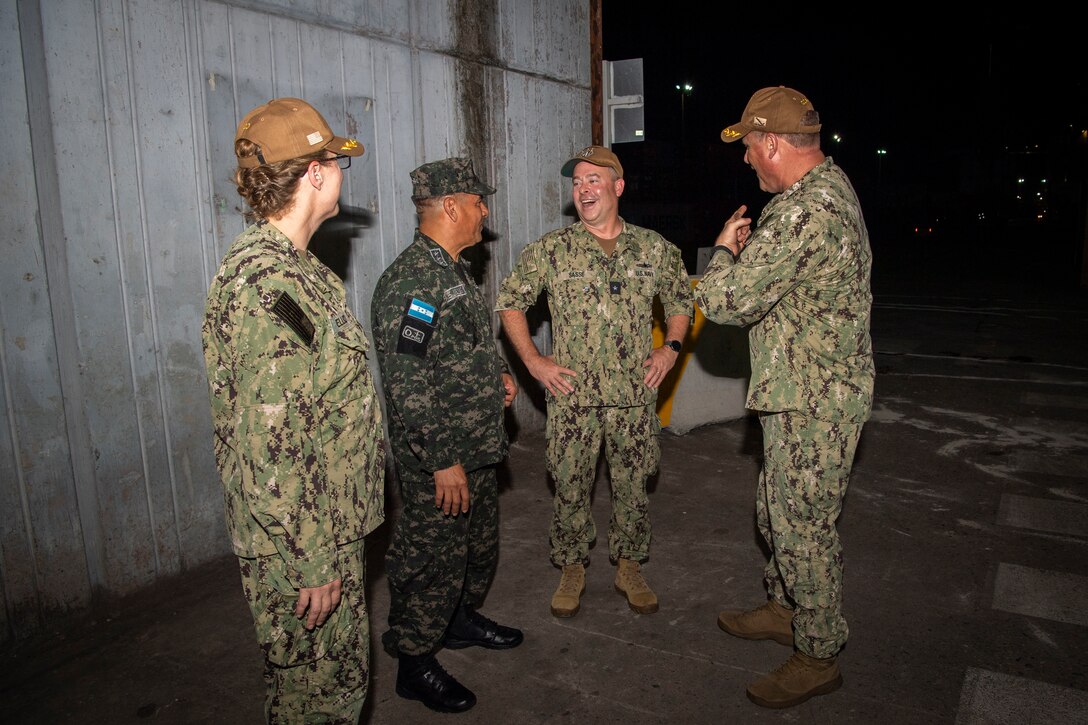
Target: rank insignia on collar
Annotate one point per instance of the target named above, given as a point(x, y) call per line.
point(437, 256)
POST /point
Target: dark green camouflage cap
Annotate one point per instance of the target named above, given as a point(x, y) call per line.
point(448, 176)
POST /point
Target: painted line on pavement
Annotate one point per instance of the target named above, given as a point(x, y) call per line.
point(1054, 401)
point(994, 698)
point(1026, 381)
point(1053, 595)
point(1043, 514)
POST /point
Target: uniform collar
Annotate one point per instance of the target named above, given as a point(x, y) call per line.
point(622, 239)
point(434, 250)
point(816, 171)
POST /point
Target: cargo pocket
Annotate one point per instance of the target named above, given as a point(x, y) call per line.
point(286, 641)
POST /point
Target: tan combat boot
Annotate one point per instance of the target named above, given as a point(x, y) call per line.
point(771, 621)
point(800, 678)
point(565, 601)
point(630, 583)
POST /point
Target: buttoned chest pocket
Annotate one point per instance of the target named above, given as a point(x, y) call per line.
point(346, 405)
point(644, 280)
point(574, 286)
point(459, 328)
point(640, 285)
point(340, 369)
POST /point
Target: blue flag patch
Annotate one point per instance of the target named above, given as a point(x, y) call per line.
point(421, 311)
point(416, 327)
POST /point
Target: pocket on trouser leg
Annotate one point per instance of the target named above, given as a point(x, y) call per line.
point(283, 636)
point(552, 448)
point(653, 460)
point(645, 458)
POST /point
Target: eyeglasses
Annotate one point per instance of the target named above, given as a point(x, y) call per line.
point(341, 160)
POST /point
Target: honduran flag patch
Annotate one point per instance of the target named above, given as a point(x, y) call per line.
point(420, 310)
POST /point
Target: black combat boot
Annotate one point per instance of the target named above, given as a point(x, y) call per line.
point(420, 677)
point(469, 628)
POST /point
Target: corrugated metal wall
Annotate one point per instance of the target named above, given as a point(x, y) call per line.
point(117, 205)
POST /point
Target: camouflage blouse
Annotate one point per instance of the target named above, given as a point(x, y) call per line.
point(601, 306)
point(298, 431)
point(441, 369)
point(802, 282)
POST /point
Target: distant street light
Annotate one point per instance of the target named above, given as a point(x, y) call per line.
point(685, 91)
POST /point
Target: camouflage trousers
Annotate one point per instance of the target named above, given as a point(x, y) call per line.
point(806, 468)
point(574, 437)
point(436, 563)
point(317, 676)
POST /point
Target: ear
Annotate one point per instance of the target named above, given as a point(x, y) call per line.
point(313, 174)
point(449, 206)
point(772, 144)
point(620, 186)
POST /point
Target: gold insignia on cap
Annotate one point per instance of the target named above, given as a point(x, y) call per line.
point(730, 132)
point(349, 144)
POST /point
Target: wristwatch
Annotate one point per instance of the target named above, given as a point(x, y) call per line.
point(673, 345)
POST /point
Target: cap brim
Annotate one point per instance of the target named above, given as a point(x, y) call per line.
point(480, 189)
point(735, 132)
point(568, 168)
point(345, 146)
point(337, 144)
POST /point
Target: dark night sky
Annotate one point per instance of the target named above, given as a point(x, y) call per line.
point(962, 116)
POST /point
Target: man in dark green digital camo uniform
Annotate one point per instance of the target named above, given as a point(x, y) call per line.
point(801, 280)
point(445, 389)
point(602, 275)
point(298, 430)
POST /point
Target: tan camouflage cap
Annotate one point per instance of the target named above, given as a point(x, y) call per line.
point(597, 155)
point(287, 128)
point(775, 110)
point(448, 176)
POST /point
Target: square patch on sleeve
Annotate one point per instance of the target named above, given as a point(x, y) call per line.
point(420, 310)
point(416, 328)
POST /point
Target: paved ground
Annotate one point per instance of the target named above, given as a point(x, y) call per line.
point(966, 541)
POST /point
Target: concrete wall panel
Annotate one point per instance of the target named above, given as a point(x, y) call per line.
point(41, 550)
point(123, 114)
